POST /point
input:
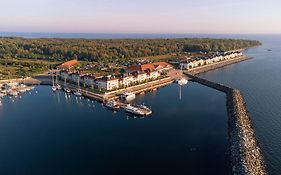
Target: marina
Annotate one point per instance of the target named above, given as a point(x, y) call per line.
point(81, 126)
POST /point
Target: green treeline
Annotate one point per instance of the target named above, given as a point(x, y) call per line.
point(108, 50)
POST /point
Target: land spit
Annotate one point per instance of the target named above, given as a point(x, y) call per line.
point(245, 153)
point(217, 65)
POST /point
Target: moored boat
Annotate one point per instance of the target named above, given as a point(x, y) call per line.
point(128, 96)
point(112, 105)
point(182, 81)
point(67, 90)
point(134, 110)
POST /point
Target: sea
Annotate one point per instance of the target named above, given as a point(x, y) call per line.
point(42, 132)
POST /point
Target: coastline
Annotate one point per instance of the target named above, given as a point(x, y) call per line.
point(218, 65)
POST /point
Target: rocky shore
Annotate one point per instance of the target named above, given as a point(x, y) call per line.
point(245, 154)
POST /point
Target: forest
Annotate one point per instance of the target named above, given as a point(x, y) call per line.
point(111, 50)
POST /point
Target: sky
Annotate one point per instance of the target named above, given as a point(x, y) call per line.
point(141, 16)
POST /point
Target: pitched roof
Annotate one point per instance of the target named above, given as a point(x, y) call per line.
point(150, 66)
point(68, 64)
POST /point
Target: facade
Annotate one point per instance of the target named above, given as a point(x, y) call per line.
point(209, 60)
point(107, 83)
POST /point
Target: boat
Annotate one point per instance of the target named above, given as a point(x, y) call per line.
point(54, 88)
point(144, 107)
point(128, 96)
point(58, 87)
point(134, 110)
point(67, 90)
point(112, 105)
point(78, 93)
point(182, 81)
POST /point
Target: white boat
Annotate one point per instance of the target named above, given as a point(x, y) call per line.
point(58, 87)
point(182, 81)
point(67, 90)
point(134, 110)
point(54, 88)
point(77, 93)
point(112, 105)
point(145, 108)
point(128, 96)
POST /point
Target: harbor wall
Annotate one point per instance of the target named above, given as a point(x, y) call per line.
point(245, 153)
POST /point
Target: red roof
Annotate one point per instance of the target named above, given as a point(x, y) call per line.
point(68, 64)
point(151, 67)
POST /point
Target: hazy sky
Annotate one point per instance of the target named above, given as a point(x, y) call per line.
point(141, 16)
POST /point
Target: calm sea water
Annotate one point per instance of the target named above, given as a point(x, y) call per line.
point(260, 81)
point(50, 133)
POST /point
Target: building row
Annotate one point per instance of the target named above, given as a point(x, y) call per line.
point(190, 64)
point(133, 75)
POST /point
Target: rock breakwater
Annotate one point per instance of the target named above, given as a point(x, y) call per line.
point(245, 153)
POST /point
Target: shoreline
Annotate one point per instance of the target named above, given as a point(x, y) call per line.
point(218, 65)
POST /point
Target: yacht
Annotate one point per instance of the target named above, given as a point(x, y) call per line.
point(112, 105)
point(54, 87)
point(128, 96)
point(134, 110)
point(182, 81)
point(67, 90)
point(145, 108)
point(78, 93)
point(58, 87)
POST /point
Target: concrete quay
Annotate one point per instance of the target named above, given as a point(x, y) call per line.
point(245, 153)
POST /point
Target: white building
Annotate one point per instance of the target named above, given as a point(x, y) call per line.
point(127, 80)
point(107, 83)
point(153, 75)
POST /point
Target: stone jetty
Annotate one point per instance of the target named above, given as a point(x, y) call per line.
point(245, 153)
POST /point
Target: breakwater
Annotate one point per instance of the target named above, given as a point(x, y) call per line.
point(245, 153)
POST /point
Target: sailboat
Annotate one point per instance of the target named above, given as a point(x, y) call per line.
point(182, 81)
point(66, 89)
point(78, 93)
point(54, 88)
point(58, 86)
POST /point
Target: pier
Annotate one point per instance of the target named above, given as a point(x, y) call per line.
point(245, 153)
